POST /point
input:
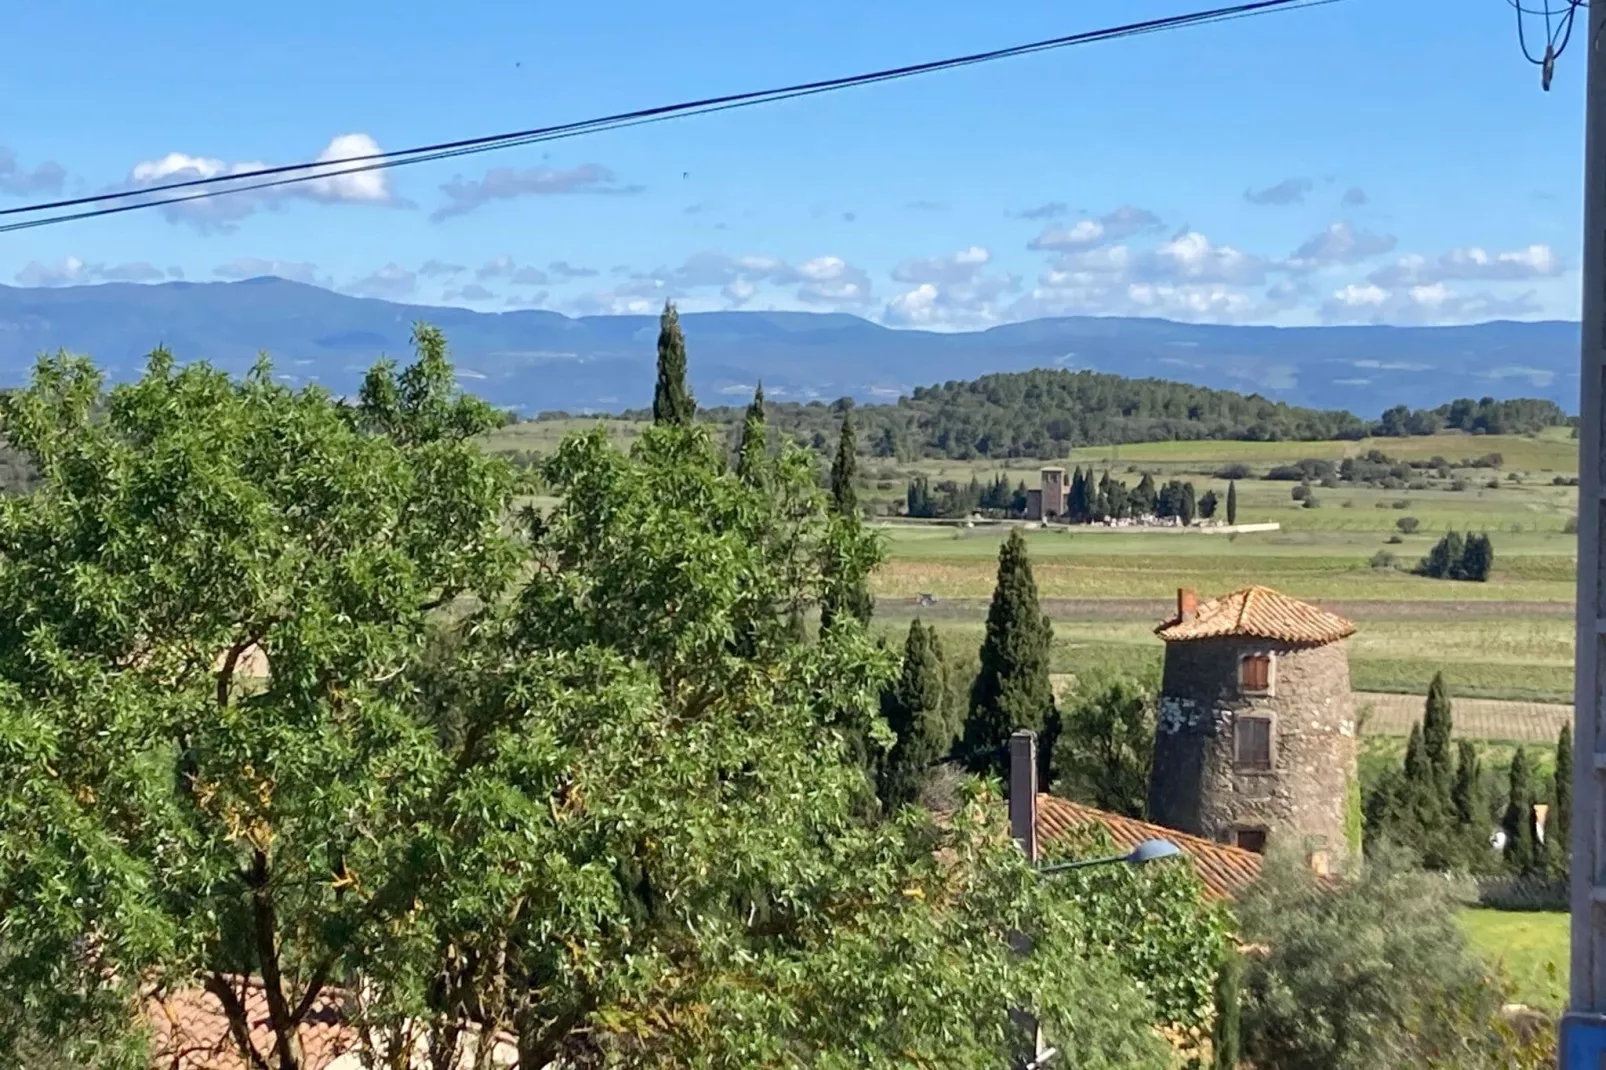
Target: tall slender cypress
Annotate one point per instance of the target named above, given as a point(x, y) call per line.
point(1521, 853)
point(672, 402)
point(1436, 726)
point(1232, 501)
point(1012, 689)
point(1226, 1036)
point(752, 452)
point(1559, 826)
point(1466, 795)
point(916, 709)
point(840, 597)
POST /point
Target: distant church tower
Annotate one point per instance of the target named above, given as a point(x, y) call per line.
point(1255, 737)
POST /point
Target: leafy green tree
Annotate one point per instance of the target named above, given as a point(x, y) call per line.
point(1232, 502)
point(1012, 690)
point(1521, 850)
point(1143, 496)
point(1559, 836)
point(185, 818)
point(1373, 972)
point(1444, 561)
point(1208, 502)
point(1226, 1037)
point(917, 711)
point(672, 401)
point(567, 809)
point(752, 452)
point(1106, 747)
point(1477, 558)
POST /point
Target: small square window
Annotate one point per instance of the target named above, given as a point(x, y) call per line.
point(1251, 743)
point(1254, 673)
point(1252, 840)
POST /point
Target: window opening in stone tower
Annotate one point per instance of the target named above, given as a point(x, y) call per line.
point(1251, 737)
point(1254, 673)
point(1252, 840)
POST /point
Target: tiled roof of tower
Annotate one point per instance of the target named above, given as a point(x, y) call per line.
point(192, 1032)
point(1225, 871)
point(1260, 613)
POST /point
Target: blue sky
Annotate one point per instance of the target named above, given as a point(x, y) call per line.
point(1368, 161)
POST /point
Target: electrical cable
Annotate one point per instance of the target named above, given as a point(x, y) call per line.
point(1558, 32)
point(327, 169)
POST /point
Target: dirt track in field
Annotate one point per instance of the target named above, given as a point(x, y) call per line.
point(1475, 718)
point(1159, 609)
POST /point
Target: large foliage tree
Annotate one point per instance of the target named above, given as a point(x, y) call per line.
point(1012, 690)
point(163, 813)
point(1374, 972)
point(488, 784)
point(1106, 746)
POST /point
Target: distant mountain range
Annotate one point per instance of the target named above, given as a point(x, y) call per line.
point(538, 360)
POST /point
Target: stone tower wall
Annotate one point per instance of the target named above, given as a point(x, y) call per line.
point(1055, 491)
point(1195, 786)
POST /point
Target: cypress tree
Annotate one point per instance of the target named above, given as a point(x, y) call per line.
point(1077, 505)
point(1467, 793)
point(1187, 507)
point(1436, 725)
point(672, 402)
point(1012, 689)
point(1143, 497)
point(1477, 558)
point(916, 710)
point(855, 600)
point(1226, 1041)
point(1232, 501)
point(1520, 852)
point(752, 452)
point(1558, 838)
point(1418, 769)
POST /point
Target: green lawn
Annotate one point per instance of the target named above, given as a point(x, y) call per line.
point(1532, 946)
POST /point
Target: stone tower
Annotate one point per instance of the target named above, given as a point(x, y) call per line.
point(1055, 489)
point(1255, 735)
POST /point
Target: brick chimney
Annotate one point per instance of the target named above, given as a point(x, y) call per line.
point(1187, 603)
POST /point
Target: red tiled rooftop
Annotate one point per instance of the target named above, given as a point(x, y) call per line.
point(191, 1032)
point(1259, 613)
point(1225, 871)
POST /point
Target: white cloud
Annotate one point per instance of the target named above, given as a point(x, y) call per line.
point(822, 281)
point(505, 267)
point(430, 269)
point(222, 214)
point(1115, 226)
point(952, 290)
point(72, 271)
point(1421, 304)
point(47, 177)
point(1288, 191)
point(1537, 261)
point(1340, 243)
point(505, 183)
point(250, 267)
point(390, 283)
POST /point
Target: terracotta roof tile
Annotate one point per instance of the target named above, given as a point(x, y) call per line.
point(1261, 613)
point(1225, 871)
point(191, 1032)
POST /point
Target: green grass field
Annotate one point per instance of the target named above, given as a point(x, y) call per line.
point(1509, 638)
point(1531, 947)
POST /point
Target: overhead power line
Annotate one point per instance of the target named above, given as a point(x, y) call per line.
point(323, 170)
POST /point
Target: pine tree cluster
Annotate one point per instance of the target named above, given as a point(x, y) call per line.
point(1458, 557)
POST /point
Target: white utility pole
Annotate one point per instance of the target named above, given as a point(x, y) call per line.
point(1583, 1028)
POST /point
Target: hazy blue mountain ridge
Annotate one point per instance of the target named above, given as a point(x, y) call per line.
point(537, 360)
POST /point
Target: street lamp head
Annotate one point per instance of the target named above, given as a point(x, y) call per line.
point(1151, 851)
